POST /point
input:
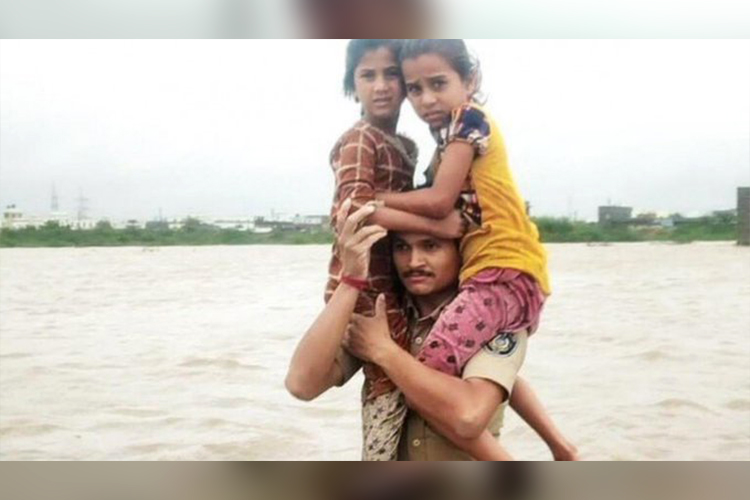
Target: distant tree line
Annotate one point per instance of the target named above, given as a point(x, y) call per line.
point(194, 232)
point(719, 227)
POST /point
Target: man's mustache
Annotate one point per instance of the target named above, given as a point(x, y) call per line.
point(418, 272)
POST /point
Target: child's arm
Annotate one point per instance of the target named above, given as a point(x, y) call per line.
point(355, 180)
point(438, 200)
point(449, 227)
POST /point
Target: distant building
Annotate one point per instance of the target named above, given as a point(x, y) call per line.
point(237, 223)
point(14, 218)
point(11, 215)
point(83, 224)
point(62, 219)
point(266, 225)
point(279, 217)
point(301, 223)
point(615, 214)
point(312, 220)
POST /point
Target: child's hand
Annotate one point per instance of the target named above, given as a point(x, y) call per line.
point(355, 240)
point(453, 226)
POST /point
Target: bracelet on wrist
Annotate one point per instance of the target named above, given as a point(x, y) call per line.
point(359, 284)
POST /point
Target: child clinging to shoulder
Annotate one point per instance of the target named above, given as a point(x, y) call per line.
point(503, 280)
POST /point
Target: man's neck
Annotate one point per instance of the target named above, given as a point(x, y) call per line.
point(427, 304)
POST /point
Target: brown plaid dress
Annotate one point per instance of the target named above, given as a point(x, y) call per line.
point(366, 160)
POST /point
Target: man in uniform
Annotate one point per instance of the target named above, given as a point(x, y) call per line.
point(428, 268)
point(456, 408)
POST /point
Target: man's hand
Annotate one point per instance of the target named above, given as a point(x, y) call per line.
point(354, 240)
point(370, 338)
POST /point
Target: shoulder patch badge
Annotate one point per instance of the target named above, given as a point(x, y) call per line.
point(502, 345)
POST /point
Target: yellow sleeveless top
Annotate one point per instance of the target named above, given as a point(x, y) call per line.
point(504, 236)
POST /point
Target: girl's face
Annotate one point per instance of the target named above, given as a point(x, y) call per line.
point(434, 88)
point(377, 82)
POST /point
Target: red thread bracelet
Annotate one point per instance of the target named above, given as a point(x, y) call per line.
point(357, 283)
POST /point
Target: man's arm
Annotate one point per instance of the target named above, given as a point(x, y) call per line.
point(461, 406)
point(313, 368)
point(461, 410)
point(457, 406)
point(474, 400)
point(450, 405)
point(458, 409)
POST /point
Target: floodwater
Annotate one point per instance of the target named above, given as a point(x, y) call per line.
point(180, 353)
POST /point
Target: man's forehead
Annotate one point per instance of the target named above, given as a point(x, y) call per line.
point(415, 238)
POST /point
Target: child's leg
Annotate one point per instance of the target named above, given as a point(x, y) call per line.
point(479, 312)
point(477, 315)
point(528, 406)
point(382, 423)
point(384, 409)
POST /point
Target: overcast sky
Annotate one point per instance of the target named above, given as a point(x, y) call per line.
point(211, 127)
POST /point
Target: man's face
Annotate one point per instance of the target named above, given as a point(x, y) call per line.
point(425, 264)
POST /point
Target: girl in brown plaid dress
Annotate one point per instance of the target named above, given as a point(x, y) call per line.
point(371, 158)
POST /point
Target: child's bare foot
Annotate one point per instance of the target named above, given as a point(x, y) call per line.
point(565, 452)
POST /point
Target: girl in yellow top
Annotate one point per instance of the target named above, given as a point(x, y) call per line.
point(503, 280)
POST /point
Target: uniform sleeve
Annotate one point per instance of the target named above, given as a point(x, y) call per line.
point(499, 361)
point(469, 124)
point(355, 169)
